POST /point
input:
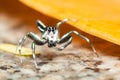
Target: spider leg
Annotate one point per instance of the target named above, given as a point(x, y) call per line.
point(41, 26)
point(33, 37)
point(33, 54)
point(19, 47)
point(61, 22)
point(65, 38)
point(66, 44)
point(85, 38)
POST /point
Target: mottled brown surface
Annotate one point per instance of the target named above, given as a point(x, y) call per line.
point(17, 19)
point(27, 18)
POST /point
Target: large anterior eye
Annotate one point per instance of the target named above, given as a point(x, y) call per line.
point(48, 29)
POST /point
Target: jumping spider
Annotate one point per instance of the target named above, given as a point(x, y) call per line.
point(50, 35)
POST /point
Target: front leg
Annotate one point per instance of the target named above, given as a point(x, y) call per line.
point(35, 39)
point(66, 36)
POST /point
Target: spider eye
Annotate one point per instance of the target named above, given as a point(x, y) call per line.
point(48, 29)
point(52, 28)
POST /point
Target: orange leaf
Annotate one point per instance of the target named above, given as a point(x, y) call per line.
point(100, 18)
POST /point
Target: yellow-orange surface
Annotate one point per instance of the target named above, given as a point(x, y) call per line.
point(100, 18)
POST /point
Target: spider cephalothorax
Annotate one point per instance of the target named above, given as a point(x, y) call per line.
point(50, 35)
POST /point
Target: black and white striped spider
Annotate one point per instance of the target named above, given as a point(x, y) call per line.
point(50, 35)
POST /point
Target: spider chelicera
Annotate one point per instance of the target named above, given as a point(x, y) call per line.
point(50, 35)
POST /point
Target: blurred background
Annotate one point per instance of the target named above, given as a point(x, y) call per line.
point(16, 19)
